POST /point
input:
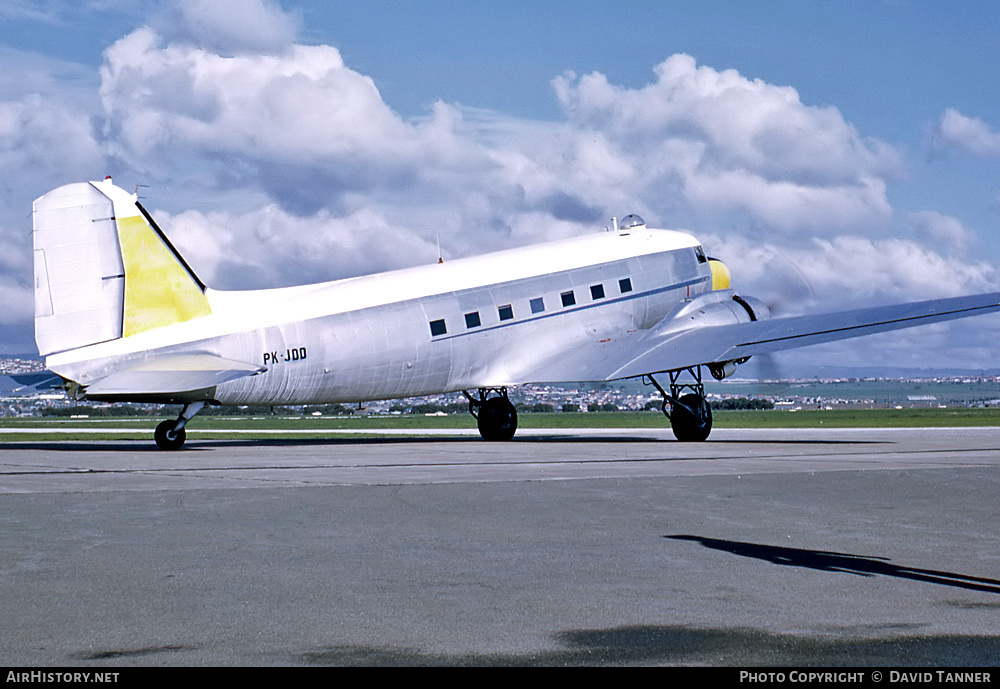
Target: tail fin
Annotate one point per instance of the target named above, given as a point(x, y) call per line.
point(103, 270)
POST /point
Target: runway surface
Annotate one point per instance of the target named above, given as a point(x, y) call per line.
point(762, 547)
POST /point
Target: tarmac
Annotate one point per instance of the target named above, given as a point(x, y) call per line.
point(790, 548)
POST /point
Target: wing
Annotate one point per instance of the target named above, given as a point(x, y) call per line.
point(680, 341)
point(666, 348)
point(171, 375)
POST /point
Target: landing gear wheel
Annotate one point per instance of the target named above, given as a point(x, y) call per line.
point(691, 418)
point(497, 419)
point(168, 439)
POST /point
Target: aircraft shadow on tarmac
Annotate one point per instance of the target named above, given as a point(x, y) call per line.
point(843, 562)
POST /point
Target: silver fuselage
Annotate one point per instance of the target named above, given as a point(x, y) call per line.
point(495, 320)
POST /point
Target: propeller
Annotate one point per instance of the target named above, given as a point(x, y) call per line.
point(791, 294)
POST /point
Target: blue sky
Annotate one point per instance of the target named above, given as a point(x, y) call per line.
point(833, 153)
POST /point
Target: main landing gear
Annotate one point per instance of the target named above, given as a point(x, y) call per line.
point(689, 413)
point(170, 435)
point(494, 413)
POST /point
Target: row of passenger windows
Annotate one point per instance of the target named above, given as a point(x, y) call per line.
point(537, 305)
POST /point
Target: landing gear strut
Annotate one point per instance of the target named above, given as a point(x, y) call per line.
point(494, 413)
point(689, 413)
point(170, 435)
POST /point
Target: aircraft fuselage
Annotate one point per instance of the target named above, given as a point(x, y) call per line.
point(486, 321)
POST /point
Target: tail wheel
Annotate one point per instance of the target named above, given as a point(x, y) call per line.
point(167, 438)
point(691, 418)
point(497, 419)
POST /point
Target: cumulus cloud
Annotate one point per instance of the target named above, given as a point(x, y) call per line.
point(44, 142)
point(819, 274)
point(271, 247)
point(44, 139)
point(46, 133)
point(942, 231)
point(229, 27)
point(315, 134)
point(726, 143)
point(297, 107)
point(16, 292)
point(968, 134)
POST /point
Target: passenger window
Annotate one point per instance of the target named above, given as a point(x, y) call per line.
point(537, 305)
point(438, 328)
point(472, 320)
point(568, 299)
point(625, 285)
point(597, 291)
point(506, 312)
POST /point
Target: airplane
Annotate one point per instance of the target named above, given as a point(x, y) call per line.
point(121, 316)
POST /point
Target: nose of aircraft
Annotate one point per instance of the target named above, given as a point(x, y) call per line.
point(720, 274)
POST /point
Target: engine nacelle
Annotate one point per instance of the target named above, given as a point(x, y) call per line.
point(757, 309)
point(720, 307)
point(723, 370)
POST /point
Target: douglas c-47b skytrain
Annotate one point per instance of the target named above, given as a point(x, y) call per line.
point(120, 316)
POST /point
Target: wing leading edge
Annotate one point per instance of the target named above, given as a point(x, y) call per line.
point(665, 349)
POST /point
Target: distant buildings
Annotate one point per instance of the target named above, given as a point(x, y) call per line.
point(18, 365)
point(16, 399)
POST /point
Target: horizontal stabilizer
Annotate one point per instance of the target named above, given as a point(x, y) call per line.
point(172, 375)
point(29, 383)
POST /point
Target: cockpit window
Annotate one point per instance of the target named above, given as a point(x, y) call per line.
point(700, 253)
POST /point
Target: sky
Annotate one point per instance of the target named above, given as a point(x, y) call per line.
point(832, 154)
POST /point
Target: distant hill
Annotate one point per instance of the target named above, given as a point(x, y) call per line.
point(881, 372)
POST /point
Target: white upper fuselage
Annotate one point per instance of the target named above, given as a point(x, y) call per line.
point(484, 321)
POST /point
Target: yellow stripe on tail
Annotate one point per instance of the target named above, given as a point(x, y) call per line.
point(159, 289)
